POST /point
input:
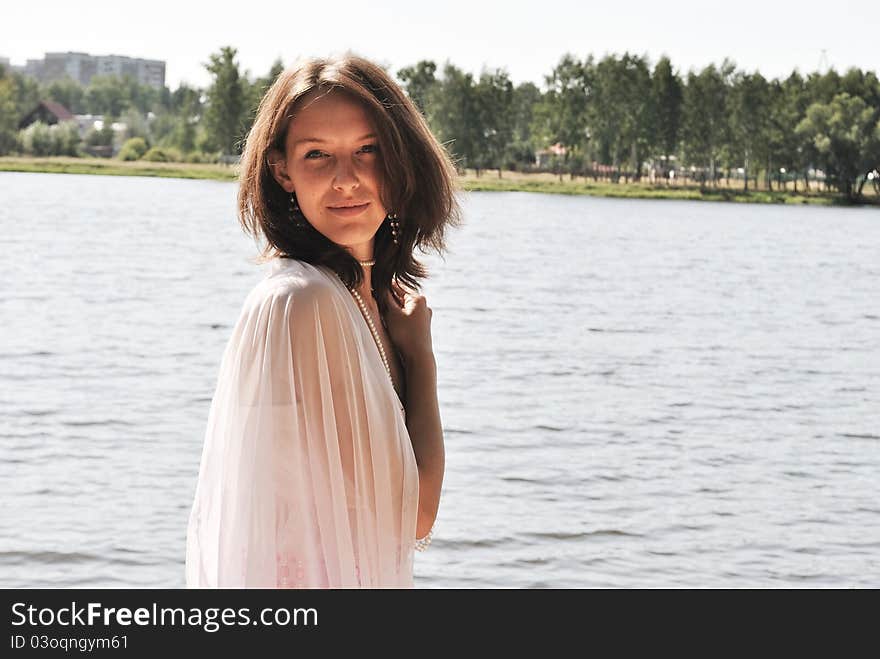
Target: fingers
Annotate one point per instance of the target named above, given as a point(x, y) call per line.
point(405, 298)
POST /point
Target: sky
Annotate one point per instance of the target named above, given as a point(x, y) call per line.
point(527, 39)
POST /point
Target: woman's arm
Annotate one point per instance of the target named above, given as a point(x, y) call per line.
point(410, 329)
point(426, 434)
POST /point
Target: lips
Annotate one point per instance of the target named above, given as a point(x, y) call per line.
point(349, 204)
point(348, 210)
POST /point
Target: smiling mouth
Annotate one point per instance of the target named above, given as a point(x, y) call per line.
point(344, 206)
point(348, 211)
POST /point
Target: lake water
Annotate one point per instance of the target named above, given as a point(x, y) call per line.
point(634, 393)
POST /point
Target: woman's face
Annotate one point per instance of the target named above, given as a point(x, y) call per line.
point(332, 164)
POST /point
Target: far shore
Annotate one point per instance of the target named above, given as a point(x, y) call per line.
point(487, 181)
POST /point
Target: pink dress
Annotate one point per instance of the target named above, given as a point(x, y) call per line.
point(308, 477)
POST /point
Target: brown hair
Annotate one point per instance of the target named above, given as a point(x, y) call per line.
point(419, 179)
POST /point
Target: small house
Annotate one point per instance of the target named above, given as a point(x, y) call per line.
point(49, 112)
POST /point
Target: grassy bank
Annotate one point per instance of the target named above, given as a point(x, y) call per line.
point(489, 181)
point(550, 183)
point(109, 167)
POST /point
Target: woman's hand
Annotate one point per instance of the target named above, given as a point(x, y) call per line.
point(409, 324)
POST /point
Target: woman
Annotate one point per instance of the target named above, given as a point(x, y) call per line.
point(323, 459)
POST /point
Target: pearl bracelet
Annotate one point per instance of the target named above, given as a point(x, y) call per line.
point(422, 545)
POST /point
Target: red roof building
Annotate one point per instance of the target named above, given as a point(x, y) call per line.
point(49, 112)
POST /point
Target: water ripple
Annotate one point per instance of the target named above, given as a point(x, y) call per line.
point(665, 376)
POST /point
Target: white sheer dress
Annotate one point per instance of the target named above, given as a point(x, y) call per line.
point(307, 477)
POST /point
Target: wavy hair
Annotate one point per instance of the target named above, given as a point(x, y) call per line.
point(419, 178)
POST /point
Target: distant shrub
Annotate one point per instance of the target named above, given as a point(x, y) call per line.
point(156, 154)
point(102, 137)
point(39, 139)
point(67, 138)
point(160, 154)
point(200, 157)
point(36, 140)
point(133, 149)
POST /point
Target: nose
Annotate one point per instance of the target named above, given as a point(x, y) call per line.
point(345, 178)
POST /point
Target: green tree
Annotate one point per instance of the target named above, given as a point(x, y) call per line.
point(420, 82)
point(143, 98)
point(178, 126)
point(521, 149)
point(865, 85)
point(631, 87)
point(184, 136)
point(847, 138)
point(8, 116)
point(789, 106)
point(666, 87)
point(163, 128)
point(749, 112)
point(821, 88)
point(704, 127)
point(495, 100)
point(621, 116)
point(604, 117)
point(186, 100)
point(776, 135)
point(27, 94)
point(455, 117)
point(255, 91)
point(69, 93)
point(225, 113)
point(136, 124)
point(561, 116)
point(106, 95)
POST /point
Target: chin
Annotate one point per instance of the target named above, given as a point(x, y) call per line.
point(352, 236)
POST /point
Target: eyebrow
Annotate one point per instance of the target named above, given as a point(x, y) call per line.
point(318, 140)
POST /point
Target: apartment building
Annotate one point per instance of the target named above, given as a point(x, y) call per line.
point(82, 67)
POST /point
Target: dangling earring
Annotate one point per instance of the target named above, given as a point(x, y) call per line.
point(296, 215)
point(394, 223)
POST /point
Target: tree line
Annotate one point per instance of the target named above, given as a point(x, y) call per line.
point(617, 117)
point(188, 124)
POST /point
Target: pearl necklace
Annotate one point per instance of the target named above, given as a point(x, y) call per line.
point(369, 319)
point(363, 307)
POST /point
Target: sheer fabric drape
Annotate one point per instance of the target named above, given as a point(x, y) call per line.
point(307, 477)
